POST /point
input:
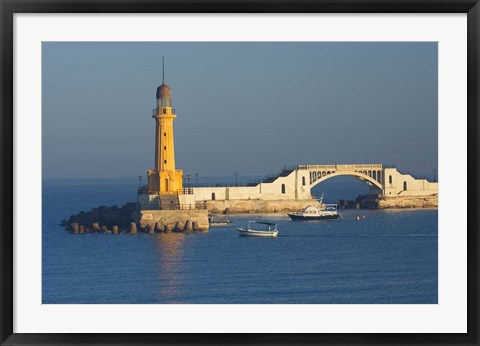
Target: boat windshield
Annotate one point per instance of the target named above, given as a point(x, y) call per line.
point(331, 207)
point(270, 225)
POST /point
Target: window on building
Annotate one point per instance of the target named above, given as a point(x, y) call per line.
point(283, 188)
point(390, 180)
point(404, 185)
point(303, 181)
point(164, 148)
point(164, 134)
point(213, 196)
point(165, 161)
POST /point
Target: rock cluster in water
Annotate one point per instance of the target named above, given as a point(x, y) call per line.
point(94, 219)
point(117, 220)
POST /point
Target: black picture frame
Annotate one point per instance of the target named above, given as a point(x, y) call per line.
point(10, 7)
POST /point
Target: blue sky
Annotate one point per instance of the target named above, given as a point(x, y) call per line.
point(241, 107)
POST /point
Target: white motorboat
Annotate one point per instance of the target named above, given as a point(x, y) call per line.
point(271, 230)
point(325, 212)
point(321, 212)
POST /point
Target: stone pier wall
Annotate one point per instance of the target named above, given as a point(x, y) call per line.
point(408, 202)
point(369, 202)
point(171, 217)
point(252, 206)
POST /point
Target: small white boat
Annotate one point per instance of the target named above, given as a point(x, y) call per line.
point(270, 232)
point(215, 221)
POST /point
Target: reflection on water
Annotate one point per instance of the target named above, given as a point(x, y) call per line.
point(169, 246)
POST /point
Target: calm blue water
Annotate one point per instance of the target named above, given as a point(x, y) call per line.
point(388, 257)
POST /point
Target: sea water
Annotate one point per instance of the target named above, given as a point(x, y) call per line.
point(386, 257)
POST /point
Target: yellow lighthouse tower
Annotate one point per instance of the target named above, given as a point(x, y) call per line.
point(164, 179)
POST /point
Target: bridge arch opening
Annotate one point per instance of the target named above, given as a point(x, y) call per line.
point(343, 187)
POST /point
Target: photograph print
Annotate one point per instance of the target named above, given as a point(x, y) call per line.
point(239, 173)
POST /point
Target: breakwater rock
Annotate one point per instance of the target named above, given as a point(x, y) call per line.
point(257, 206)
point(128, 219)
point(103, 216)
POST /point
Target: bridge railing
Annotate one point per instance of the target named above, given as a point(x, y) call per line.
point(320, 167)
point(344, 167)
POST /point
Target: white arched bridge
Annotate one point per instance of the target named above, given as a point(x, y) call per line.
point(382, 180)
point(297, 183)
point(371, 174)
